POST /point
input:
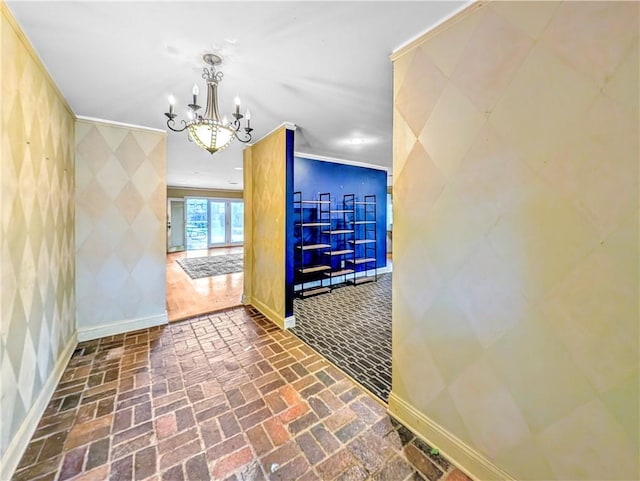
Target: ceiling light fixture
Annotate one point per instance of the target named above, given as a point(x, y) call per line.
point(208, 131)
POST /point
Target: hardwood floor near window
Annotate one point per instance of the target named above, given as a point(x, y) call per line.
point(188, 297)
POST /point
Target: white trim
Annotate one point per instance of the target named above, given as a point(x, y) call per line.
point(341, 161)
point(119, 327)
point(268, 312)
point(476, 465)
point(286, 125)
point(21, 438)
point(384, 270)
point(289, 322)
point(119, 124)
point(433, 27)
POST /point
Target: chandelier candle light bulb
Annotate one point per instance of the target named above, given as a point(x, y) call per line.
point(195, 92)
point(208, 131)
point(172, 102)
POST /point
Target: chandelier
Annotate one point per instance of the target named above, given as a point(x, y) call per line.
point(209, 131)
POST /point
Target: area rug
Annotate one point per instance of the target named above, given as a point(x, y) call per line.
point(199, 267)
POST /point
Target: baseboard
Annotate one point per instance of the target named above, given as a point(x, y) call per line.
point(476, 465)
point(90, 333)
point(20, 441)
point(269, 313)
point(289, 322)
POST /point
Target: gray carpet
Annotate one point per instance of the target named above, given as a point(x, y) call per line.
point(199, 267)
point(351, 326)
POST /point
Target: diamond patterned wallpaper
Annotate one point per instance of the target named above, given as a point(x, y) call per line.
point(37, 309)
point(120, 226)
point(515, 291)
point(264, 181)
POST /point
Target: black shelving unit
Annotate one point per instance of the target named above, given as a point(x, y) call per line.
point(340, 233)
point(312, 217)
point(365, 240)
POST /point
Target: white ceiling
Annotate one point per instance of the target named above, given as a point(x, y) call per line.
point(322, 65)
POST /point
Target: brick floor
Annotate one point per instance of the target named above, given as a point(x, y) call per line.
point(227, 396)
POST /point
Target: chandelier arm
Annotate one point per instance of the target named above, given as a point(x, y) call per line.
point(246, 137)
point(171, 122)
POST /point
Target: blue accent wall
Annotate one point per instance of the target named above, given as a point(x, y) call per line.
point(313, 177)
point(289, 238)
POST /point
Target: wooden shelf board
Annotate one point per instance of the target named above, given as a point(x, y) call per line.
point(362, 280)
point(341, 272)
point(342, 231)
point(314, 246)
point(339, 253)
point(309, 270)
point(362, 241)
point(315, 291)
point(362, 261)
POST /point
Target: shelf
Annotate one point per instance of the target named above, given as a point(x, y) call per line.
point(341, 231)
point(312, 269)
point(362, 241)
point(315, 291)
point(339, 253)
point(341, 272)
point(364, 222)
point(362, 280)
point(340, 211)
point(314, 246)
point(365, 203)
point(362, 261)
point(314, 224)
point(315, 202)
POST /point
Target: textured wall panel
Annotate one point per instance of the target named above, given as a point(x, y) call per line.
point(515, 303)
point(37, 307)
point(120, 224)
point(265, 216)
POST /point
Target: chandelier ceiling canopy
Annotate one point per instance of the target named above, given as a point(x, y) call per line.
point(208, 131)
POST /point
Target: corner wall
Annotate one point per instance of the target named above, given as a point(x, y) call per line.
point(265, 177)
point(37, 305)
point(120, 228)
point(515, 282)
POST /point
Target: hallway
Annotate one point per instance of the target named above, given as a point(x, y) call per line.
point(228, 396)
point(188, 297)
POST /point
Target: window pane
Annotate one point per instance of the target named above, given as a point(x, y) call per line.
point(237, 221)
point(196, 226)
point(217, 222)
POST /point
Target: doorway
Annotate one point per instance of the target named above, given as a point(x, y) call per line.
point(213, 222)
point(201, 228)
point(175, 225)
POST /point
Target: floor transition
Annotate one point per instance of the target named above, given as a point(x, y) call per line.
point(227, 396)
point(188, 297)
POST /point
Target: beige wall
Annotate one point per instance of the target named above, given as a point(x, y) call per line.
point(180, 192)
point(264, 225)
point(37, 311)
point(120, 228)
point(515, 288)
